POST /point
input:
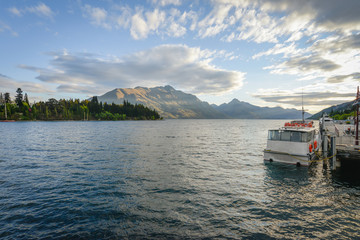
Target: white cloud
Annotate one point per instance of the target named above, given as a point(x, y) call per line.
point(176, 30)
point(158, 22)
point(183, 67)
point(215, 22)
point(166, 2)
point(41, 10)
point(286, 50)
point(269, 20)
point(139, 28)
point(15, 11)
point(142, 23)
point(6, 28)
point(155, 19)
point(98, 16)
point(124, 18)
point(257, 21)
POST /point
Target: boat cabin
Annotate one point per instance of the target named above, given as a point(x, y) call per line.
point(291, 135)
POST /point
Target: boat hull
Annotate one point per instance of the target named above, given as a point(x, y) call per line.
point(282, 157)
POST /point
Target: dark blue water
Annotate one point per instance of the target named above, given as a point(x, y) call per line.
point(173, 179)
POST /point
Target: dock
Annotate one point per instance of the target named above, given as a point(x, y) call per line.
point(340, 140)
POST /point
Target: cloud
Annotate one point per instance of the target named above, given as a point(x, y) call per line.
point(10, 85)
point(166, 2)
point(41, 10)
point(15, 11)
point(6, 28)
point(159, 19)
point(315, 96)
point(139, 28)
point(260, 21)
point(84, 89)
point(306, 63)
point(310, 98)
point(159, 22)
point(329, 67)
point(305, 66)
point(290, 50)
point(216, 21)
point(337, 44)
point(123, 19)
point(341, 78)
point(331, 15)
point(270, 20)
point(98, 16)
point(333, 57)
point(181, 66)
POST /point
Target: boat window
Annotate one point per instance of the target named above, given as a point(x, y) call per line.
point(296, 136)
point(312, 135)
point(304, 137)
point(293, 136)
point(274, 135)
point(307, 136)
point(285, 136)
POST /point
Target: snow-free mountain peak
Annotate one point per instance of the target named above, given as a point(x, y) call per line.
point(172, 103)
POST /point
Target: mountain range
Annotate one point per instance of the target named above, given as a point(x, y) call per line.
point(243, 110)
point(171, 103)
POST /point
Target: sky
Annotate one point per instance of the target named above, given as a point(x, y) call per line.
point(265, 52)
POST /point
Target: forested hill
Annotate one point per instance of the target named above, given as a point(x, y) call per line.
point(62, 109)
point(344, 108)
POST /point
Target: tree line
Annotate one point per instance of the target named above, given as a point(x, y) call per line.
point(72, 109)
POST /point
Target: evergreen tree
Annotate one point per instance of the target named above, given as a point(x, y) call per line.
point(26, 99)
point(19, 97)
point(7, 97)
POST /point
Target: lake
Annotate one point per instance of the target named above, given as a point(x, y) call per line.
point(171, 179)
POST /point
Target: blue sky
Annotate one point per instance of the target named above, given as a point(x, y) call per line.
point(265, 52)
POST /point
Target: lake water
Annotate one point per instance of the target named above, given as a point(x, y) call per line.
point(177, 179)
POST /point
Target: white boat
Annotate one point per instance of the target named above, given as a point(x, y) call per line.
point(326, 120)
point(295, 143)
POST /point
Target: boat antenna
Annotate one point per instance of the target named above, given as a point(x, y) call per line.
point(302, 103)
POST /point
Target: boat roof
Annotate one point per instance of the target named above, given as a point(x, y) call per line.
point(297, 126)
point(293, 129)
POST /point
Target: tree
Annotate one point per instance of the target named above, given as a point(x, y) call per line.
point(19, 97)
point(7, 97)
point(26, 99)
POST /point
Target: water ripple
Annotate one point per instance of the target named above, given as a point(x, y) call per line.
point(179, 179)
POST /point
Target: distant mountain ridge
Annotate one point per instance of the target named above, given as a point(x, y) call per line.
point(171, 103)
point(243, 110)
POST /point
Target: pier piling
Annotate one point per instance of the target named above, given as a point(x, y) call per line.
point(333, 152)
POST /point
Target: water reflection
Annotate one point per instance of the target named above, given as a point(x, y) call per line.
point(308, 199)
